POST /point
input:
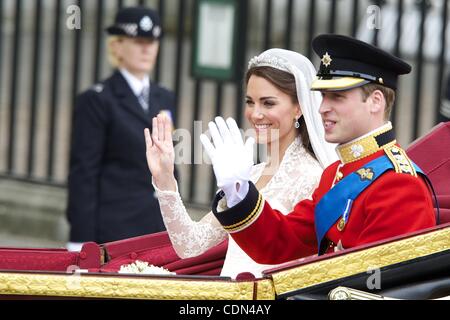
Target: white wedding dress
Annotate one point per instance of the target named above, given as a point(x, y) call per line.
point(296, 178)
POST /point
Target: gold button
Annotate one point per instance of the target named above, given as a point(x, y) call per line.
point(341, 224)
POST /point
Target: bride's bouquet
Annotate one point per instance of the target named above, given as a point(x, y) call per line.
point(141, 267)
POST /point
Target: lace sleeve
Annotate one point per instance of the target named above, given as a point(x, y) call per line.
point(189, 238)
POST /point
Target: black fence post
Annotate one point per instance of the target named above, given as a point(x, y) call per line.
point(1, 46)
point(268, 25)
point(355, 9)
point(54, 90)
point(77, 66)
point(161, 12)
point(289, 24)
point(179, 51)
point(441, 61)
point(34, 97)
point(419, 68)
point(399, 30)
point(98, 40)
point(378, 3)
point(311, 27)
point(243, 36)
point(15, 72)
point(332, 17)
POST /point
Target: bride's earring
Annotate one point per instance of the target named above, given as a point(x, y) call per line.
point(296, 124)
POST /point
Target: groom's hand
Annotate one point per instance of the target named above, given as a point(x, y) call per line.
point(232, 159)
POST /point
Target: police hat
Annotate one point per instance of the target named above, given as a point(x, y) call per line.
point(136, 22)
point(348, 63)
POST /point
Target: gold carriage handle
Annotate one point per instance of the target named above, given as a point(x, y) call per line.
point(343, 293)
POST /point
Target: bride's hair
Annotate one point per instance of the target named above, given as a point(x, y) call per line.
point(285, 82)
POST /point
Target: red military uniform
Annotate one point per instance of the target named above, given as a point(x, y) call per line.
point(396, 203)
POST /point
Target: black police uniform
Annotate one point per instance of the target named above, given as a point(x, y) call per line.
point(110, 192)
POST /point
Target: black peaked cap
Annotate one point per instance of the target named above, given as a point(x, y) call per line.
point(137, 22)
point(347, 62)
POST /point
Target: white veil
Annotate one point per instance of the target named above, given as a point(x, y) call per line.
point(304, 72)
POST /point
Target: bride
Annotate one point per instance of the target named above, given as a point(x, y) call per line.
point(285, 116)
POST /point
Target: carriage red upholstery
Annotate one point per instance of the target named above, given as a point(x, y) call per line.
point(431, 152)
point(157, 249)
point(31, 259)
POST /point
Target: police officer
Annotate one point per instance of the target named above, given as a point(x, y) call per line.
point(110, 192)
point(372, 193)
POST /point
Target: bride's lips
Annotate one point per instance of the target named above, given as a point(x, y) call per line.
point(262, 127)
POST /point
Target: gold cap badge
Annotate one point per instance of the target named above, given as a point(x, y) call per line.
point(326, 59)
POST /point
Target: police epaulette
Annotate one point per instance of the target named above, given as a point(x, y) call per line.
point(97, 87)
point(400, 160)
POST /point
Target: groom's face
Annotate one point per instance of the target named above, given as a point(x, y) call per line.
point(345, 115)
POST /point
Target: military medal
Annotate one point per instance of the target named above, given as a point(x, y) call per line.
point(341, 224)
point(365, 174)
point(343, 221)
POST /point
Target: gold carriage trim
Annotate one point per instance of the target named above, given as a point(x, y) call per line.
point(126, 287)
point(400, 160)
point(265, 290)
point(249, 219)
point(383, 255)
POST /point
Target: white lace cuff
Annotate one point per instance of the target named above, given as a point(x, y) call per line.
point(189, 238)
point(165, 192)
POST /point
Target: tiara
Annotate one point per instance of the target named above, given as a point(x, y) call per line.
point(269, 61)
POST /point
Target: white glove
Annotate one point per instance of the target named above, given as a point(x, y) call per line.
point(232, 160)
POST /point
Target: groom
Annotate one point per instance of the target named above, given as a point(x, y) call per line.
point(374, 192)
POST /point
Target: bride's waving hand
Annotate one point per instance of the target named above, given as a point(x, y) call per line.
point(160, 153)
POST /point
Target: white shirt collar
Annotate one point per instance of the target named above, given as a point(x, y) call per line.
point(135, 84)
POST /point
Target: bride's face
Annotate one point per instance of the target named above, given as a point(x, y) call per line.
point(270, 112)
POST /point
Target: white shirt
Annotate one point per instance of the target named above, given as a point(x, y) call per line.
point(135, 84)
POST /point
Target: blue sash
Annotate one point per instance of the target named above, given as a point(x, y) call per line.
point(337, 202)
